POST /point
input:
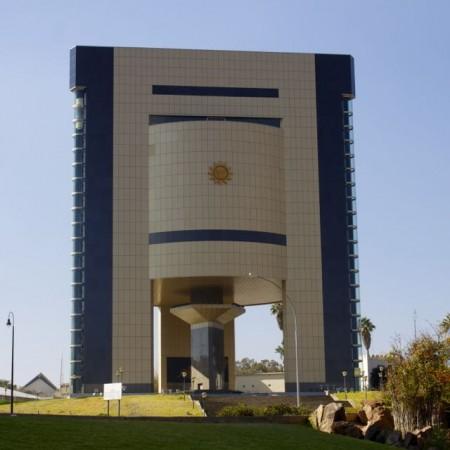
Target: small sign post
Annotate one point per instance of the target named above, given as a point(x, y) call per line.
point(112, 391)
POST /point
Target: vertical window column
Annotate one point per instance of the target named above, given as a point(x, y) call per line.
point(352, 236)
point(78, 238)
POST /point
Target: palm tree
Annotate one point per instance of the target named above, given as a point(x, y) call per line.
point(277, 310)
point(445, 324)
point(280, 351)
point(365, 328)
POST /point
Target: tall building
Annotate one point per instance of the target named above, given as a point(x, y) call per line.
point(206, 182)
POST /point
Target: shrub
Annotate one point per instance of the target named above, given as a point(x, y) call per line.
point(285, 410)
point(439, 439)
point(272, 410)
point(418, 383)
point(236, 410)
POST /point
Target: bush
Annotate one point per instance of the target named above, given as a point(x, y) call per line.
point(285, 410)
point(236, 410)
point(439, 439)
point(272, 410)
point(418, 383)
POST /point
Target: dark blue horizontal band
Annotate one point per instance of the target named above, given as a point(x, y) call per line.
point(270, 121)
point(214, 91)
point(262, 237)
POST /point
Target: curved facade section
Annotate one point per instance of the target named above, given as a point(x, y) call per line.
point(216, 200)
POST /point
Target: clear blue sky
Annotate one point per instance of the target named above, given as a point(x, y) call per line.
point(402, 135)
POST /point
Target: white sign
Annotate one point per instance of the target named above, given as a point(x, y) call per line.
point(112, 391)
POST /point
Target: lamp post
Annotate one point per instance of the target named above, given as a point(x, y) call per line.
point(119, 374)
point(10, 323)
point(344, 374)
point(289, 303)
point(380, 374)
point(364, 386)
point(184, 375)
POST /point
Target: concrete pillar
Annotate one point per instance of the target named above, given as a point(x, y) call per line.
point(207, 341)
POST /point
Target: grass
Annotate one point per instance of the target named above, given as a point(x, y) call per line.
point(131, 405)
point(64, 433)
point(358, 397)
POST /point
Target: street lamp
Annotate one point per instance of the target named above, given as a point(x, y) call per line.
point(9, 323)
point(119, 373)
point(289, 303)
point(184, 375)
point(364, 378)
point(344, 374)
point(380, 374)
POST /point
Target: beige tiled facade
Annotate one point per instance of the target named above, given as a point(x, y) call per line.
point(275, 171)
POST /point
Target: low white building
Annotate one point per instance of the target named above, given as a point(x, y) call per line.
point(261, 382)
point(5, 394)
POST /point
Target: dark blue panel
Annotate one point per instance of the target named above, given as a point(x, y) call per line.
point(92, 68)
point(270, 121)
point(262, 237)
point(334, 81)
point(214, 91)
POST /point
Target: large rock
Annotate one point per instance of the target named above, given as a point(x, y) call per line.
point(371, 432)
point(379, 421)
point(350, 429)
point(423, 435)
point(333, 412)
point(394, 438)
point(316, 417)
point(375, 410)
point(410, 440)
point(362, 418)
point(324, 417)
point(369, 407)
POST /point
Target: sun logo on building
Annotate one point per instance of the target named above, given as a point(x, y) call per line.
point(220, 173)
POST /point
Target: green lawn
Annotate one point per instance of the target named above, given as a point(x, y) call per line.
point(131, 405)
point(64, 433)
point(358, 397)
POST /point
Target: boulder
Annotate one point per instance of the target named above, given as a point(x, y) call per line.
point(362, 418)
point(371, 431)
point(369, 406)
point(333, 412)
point(375, 411)
point(325, 416)
point(423, 435)
point(410, 440)
point(379, 427)
point(378, 421)
point(316, 417)
point(394, 438)
point(350, 429)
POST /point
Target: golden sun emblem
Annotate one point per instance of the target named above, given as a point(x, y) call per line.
point(220, 173)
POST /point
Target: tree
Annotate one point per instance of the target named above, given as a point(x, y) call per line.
point(418, 382)
point(280, 351)
point(444, 326)
point(277, 310)
point(365, 328)
point(249, 366)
